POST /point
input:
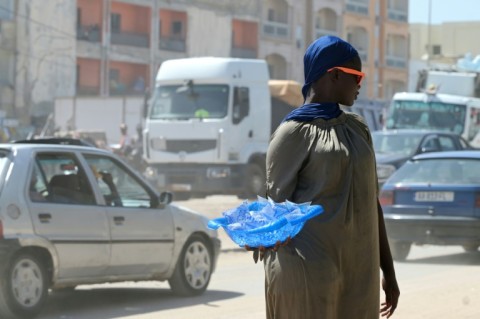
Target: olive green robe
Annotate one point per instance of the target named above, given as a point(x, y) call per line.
point(331, 269)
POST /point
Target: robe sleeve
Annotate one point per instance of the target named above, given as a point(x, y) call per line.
point(288, 150)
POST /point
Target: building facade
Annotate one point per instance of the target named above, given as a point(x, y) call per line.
point(441, 45)
point(115, 47)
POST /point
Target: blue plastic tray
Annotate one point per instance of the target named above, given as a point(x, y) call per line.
point(264, 222)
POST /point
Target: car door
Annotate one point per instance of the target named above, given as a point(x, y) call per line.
point(64, 211)
point(142, 234)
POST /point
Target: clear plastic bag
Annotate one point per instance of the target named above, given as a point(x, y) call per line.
point(264, 222)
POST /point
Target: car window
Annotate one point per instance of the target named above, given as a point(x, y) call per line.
point(117, 184)
point(64, 179)
point(38, 188)
point(438, 171)
point(395, 143)
point(430, 144)
point(447, 143)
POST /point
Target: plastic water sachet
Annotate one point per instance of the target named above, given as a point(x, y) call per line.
point(264, 222)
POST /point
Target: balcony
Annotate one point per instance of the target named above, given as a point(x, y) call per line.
point(276, 29)
point(130, 39)
point(88, 90)
point(359, 8)
point(172, 44)
point(88, 33)
point(245, 53)
point(396, 62)
point(397, 15)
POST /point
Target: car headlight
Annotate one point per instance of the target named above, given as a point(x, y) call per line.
point(384, 171)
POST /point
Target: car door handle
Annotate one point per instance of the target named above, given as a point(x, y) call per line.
point(118, 220)
point(44, 218)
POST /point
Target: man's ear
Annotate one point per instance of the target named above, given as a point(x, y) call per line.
point(335, 75)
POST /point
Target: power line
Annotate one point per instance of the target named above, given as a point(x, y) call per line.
point(63, 33)
point(44, 59)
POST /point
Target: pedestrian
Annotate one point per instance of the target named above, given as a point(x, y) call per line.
point(125, 146)
point(323, 155)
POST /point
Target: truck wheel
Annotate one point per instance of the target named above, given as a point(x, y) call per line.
point(194, 268)
point(23, 287)
point(255, 182)
point(400, 249)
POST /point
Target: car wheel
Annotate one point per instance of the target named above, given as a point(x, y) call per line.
point(470, 248)
point(194, 268)
point(400, 250)
point(255, 182)
point(23, 287)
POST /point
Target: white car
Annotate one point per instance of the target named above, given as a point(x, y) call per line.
point(72, 215)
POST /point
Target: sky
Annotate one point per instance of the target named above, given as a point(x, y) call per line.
point(444, 11)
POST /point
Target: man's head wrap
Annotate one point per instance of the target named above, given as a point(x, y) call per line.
point(325, 53)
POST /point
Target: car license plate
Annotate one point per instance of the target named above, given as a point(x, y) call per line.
point(181, 187)
point(434, 196)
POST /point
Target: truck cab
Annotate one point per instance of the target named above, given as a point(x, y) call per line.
point(208, 127)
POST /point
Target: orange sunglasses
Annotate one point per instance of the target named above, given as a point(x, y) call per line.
point(359, 75)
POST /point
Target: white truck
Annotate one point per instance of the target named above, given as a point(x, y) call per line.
point(446, 101)
point(209, 123)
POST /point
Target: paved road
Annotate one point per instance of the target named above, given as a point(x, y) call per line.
point(436, 283)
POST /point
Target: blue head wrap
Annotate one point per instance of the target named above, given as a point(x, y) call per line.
point(323, 54)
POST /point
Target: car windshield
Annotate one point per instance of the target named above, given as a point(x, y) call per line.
point(438, 171)
point(427, 115)
point(189, 101)
point(398, 144)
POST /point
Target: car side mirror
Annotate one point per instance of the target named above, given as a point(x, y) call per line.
point(165, 198)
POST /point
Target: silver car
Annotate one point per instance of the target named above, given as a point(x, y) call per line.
point(72, 215)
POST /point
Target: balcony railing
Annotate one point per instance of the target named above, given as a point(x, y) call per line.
point(359, 8)
point(245, 53)
point(131, 39)
point(321, 32)
point(396, 62)
point(89, 33)
point(88, 90)
point(276, 29)
point(397, 15)
point(172, 44)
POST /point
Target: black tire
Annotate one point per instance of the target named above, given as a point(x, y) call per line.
point(470, 248)
point(400, 250)
point(23, 287)
point(194, 268)
point(255, 183)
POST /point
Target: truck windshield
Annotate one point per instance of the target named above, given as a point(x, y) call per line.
point(189, 101)
point(427, 115)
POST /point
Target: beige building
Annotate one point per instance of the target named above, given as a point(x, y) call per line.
point(441, 45)
point(114, 47)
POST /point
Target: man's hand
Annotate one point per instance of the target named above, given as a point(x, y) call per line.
point(259, 252)
point(392, 293)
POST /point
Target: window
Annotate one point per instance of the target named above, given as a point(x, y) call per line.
point(436, 49)
point(7, 12)
point(60, 179)
point(38, 189)
point(117, 185)
point(271, 15)
point(116, 22)
point(190, 101)
point(447, 143)
point(177, 28)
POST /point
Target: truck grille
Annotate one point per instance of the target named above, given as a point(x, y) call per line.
point(192, 146)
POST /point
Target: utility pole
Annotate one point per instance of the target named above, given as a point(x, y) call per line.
point(429, 40)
